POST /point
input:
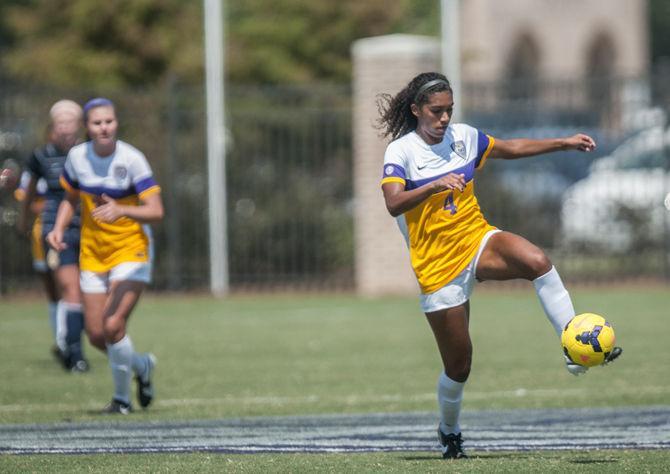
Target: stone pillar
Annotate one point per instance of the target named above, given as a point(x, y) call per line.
point(383, 64)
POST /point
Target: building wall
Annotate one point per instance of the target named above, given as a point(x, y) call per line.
point(563, 30)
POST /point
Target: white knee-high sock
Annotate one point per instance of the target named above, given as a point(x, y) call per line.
point(449, 396)
point(120, 360)
point(61, 325)
point(53, 322)
point(140, 365)
point(555, 299)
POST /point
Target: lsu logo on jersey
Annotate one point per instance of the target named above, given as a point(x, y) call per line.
point(459, 148)
point(120, 172)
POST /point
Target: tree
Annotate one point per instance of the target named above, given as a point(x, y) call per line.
point(301, 40)
point(142, 42)
point(103, 44)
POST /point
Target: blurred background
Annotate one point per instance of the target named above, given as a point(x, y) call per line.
point(528, 68)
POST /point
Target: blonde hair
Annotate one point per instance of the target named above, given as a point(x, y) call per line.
point(66, 107)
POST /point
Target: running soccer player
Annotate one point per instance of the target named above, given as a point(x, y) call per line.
point(38, 254)
point(428, 185)
point(47, 163)
point(118, 195)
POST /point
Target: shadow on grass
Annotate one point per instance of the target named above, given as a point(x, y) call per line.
point(594, 461)
point(432, 457)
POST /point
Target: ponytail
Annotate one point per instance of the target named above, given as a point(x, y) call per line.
point(395, 113)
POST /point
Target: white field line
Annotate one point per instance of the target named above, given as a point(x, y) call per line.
point(349, 400)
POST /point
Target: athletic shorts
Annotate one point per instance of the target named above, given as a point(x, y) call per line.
point(67, 256)
point(458, 290)
point(99, 282)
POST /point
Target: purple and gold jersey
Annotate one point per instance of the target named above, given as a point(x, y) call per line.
point(444, 231)
point(124, 176)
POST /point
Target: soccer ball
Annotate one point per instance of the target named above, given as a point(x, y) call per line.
point(588, 339)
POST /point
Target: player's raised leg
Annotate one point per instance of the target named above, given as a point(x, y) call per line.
point(508, 256)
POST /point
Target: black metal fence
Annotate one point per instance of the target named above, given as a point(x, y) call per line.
point(602, 216)
point(289, 169)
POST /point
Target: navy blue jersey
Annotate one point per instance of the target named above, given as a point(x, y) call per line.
point(47, 162)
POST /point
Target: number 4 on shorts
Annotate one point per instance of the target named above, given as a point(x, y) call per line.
point(449, 204)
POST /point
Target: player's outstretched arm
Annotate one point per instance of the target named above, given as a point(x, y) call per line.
point(523, 147)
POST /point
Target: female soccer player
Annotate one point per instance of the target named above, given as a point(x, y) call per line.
point(428, 185)
point(47, 163)
point(118, 194)
point(35, 209)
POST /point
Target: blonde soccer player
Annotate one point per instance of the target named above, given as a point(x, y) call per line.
point(428, 185)
point(119, 196)
point(46, 164)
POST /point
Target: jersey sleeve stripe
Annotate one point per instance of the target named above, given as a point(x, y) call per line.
point(393, 179)
point(67, 184)
point(145, 184)
point(487, 152)
point(393, 170)
point(149, 191)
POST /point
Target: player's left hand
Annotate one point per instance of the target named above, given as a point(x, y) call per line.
point(108, 210)
point(581, 142)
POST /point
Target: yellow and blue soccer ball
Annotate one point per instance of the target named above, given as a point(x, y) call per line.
point(588, 339)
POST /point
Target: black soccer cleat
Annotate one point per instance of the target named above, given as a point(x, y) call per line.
point(145, 388)
point(60, 356)
point(117, 407)
point(616, 352)
point(452, 445)
point(79, 366)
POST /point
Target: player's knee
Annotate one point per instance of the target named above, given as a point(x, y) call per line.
point(459, 371)
point(113, 328)
point(97, 339)
point(538, 264)
point(70, 291)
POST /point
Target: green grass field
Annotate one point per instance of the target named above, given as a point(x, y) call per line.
point(276, 355)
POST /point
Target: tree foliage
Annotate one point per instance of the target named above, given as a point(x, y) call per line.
point(92, 43)
point(83, 42)
point(301, 40)
point(99, 44)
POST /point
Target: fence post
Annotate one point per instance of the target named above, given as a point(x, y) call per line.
point(173, 237)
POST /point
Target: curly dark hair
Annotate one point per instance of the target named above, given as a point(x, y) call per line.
point(395, 114)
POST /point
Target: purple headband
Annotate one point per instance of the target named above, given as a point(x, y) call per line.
point(97, 102)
